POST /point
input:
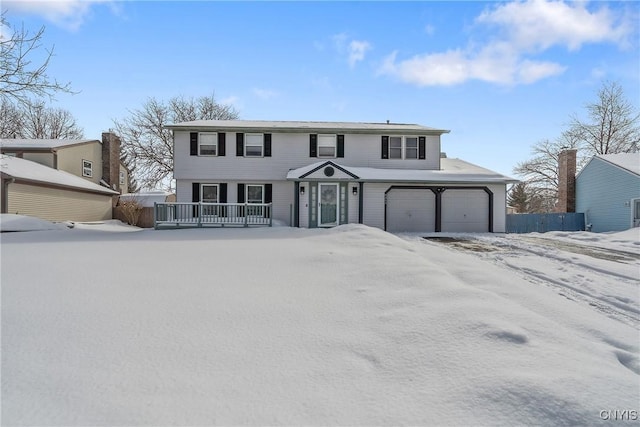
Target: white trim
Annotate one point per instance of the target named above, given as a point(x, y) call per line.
point(85, 168)
point(333, 145)
point(403, 147)
point(246, 143)
point(246, 192)
point(200, 144)
point(202, 185)
point(337, 187)
point(632, 204)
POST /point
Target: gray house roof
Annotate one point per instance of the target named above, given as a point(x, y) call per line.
point(41, 144)
point(306, 126)
point(35, 172)
point(630, 162)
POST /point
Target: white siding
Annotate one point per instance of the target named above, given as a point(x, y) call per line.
point(354, 201)
point(304, 205)
point(57, 204)
point(499, 207)
point(373, 209)
point(289, 151)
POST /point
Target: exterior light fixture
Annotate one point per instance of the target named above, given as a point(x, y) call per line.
point(302, 190)
point(354, 191)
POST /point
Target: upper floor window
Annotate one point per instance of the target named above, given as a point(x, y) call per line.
point(208, 144)
point(253, 145)
point(404, 147)
point(87, 168)
point(326, 145)
point(121, 178)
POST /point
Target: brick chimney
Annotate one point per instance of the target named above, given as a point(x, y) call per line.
point(566, 181)
point(111, 160)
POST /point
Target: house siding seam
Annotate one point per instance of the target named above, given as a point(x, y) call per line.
point(603, 193)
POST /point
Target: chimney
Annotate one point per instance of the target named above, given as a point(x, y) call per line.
point(111, 160)
point(566, 181)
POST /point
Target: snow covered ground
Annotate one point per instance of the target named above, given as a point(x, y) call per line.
point(344, 326)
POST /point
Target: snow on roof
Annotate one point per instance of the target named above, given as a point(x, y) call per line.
point(32, 171)
point(146, 198)
point(307, 126)
point(628, 161)
point(452, 170)
point(41, 143)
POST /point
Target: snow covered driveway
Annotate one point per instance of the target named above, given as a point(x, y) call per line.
point(347, 326)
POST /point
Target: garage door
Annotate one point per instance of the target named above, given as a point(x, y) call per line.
point(465, 210)
point(411, 210)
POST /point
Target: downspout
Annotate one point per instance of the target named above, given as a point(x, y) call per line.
point(5, 194)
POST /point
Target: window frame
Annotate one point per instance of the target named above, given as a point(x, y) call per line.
point(200, 144)
point(320, 145)
point(406, 148)
point(246, 193)
point(391, 137)
point(247, 137)
point(403, 147)
point(121, 178)
point(85, 168)
point(202, 186)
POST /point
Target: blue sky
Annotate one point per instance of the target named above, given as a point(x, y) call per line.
point(500, 75)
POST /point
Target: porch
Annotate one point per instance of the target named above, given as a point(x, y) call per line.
point(199, 215)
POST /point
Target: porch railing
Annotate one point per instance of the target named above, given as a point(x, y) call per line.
point(189, 215)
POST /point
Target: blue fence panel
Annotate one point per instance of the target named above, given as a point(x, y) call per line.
point(541, 223)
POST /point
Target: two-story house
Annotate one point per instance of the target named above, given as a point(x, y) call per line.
point(62, 179)
point(322, 174)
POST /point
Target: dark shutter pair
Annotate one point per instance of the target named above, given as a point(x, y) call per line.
point(422, 152)
point(268, 189)
point(222, 192)
point(266, 145)
point(222, 143)
point(313, 145)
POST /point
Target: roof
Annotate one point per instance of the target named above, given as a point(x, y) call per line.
point(306, 126)
point(146, 199)
point(40, 144)
point(628, 161)
point(452, 171)
point(35, 172)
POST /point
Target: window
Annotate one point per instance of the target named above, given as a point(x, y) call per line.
point(121, 178)
point(326, 146)
point(255, 195)
point(411, 147)
point(395, 147)
point(208, 144)
point(87, 168)
point(209, 193)
point(253, 145)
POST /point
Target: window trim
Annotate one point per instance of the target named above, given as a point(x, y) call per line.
point(200, 144)
point(403, 147)
point(85, 168)
point(320, 145)
point(246, 144)
point(246, 193)
point(121, 178)
point(209, 185)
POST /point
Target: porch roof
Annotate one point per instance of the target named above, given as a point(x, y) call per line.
point(452, 171)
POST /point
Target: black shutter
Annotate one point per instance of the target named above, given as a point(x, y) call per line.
point(195, 192)
point(267, 193)
point(239, 144)
point(385, 147)
point(240, 193)
point(313, 145)
point(267, 145)
point(222, 143)
point(194, 143)
point(222, 197)
point(422, 152)
point(340, 152)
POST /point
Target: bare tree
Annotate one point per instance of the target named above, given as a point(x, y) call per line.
point(23, 74)
point(34, 120)
point(149, 145)
point(612, 124)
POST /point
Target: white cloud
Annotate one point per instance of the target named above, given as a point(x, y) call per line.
point(69, 14)
point(430, 30)
point(357, 50)
point(231, 100)
point(265, 93)
point(526, 30)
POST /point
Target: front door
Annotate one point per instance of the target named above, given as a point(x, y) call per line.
point(328, 205)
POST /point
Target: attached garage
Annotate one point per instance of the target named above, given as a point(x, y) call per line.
point(465, 210)
point(411, 209)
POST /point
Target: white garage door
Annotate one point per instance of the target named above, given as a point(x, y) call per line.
point(465, 210)
point(411, 210)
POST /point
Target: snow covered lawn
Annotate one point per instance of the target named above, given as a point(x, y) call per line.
point(316, 327)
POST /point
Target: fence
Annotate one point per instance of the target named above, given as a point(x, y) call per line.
point(183, 215)
point(541, 223)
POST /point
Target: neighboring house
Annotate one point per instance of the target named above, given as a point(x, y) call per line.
point(91, 159)
point(322, 174)
point(608, 192)
point(29, 188)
